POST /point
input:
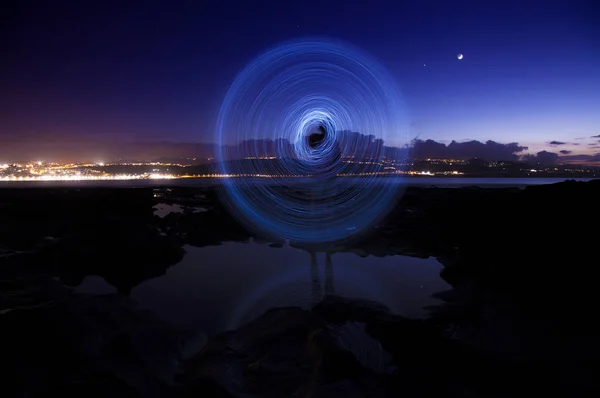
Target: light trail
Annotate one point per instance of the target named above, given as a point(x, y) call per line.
point(274, 104)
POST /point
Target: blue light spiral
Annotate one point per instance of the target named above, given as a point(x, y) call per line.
point(279, 99)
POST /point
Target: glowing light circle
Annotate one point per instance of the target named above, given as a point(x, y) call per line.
point(273, 104)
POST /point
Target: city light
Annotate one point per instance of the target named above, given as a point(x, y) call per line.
point(424, 168)
point(78, 177)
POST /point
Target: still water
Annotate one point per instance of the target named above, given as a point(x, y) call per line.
point(219, 288)
point(208, 182)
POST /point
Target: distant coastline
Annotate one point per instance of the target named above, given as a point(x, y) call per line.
point(270, 168)
point(433, 181)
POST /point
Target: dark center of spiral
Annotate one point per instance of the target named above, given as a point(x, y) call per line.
point(317, 137)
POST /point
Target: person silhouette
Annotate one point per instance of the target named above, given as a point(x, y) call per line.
point(330, 155)
point(322, 188)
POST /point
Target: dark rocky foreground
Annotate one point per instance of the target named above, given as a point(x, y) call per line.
point(519, 320)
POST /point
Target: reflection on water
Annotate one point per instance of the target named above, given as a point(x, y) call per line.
point(221, 287)
point(163, 209)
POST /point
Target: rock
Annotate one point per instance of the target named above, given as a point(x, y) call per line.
point(294, 352)
point(79, 343)
point(268, 354)
point(352, 337)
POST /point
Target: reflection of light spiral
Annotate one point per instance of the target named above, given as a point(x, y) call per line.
point(269, 110)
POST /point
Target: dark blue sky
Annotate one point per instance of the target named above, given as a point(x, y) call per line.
point(159, 69)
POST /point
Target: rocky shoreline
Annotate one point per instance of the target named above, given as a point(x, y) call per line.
point(518, 320)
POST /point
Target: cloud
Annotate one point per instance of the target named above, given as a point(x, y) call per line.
point(543, 157)
point(489, 150)
point(351, 142)
point(581, 159)
point(363, 145)
point(595, 136)
point(554, 143)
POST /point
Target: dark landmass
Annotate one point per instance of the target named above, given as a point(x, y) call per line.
point(518, 321)
point(292, 167)
point(286, 166)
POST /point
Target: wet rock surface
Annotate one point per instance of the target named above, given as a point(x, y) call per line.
point(292, 352)
point(517, 321)
point(60, 342)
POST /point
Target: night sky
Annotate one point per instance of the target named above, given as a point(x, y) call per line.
point(158, 70)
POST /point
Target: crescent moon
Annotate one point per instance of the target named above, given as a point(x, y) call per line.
point(459, 56)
